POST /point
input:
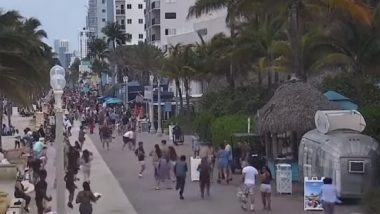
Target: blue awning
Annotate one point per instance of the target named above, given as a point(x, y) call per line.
point(340, 100)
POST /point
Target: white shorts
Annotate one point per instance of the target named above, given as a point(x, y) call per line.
point(249, 189)
point(266, 188)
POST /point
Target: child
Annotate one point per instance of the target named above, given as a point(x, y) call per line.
point(18, 139)
point(329, 196)
point(140, 153)
point(40, 189)
point(180, 170)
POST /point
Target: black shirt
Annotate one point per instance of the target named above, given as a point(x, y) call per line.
point(140, 153)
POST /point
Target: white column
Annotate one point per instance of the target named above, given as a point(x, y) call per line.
point(151, 116)
point(60, 169)
point(159, 113)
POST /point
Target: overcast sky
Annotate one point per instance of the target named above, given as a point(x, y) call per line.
point(61, 19)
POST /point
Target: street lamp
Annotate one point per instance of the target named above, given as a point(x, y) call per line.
point(58, 82)
point(151, 117)
point(125, 79)
point(159, 129)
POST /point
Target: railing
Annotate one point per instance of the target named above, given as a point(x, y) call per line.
point(120, 11)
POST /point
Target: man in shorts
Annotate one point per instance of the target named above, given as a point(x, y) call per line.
point(106, 136)
point(128, 138)
point(249, 181)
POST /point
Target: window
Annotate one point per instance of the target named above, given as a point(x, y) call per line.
point(153, 37)
point(129, 6)
point(170, 1)
point(129, 21)
point(170, 31)
point(103, 1)
point(140, 6)
point(122, 22)
point(141, 36)
point(122, 7)
point(141, 21)
point(104, 10)
point(103, 20)
point(356, 167)
point(129, 36)
point(170, 15)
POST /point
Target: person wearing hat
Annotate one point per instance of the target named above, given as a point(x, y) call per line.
point(20, 193)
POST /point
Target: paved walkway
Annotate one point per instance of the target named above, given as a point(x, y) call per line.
point(146, 200)
point(113, 201)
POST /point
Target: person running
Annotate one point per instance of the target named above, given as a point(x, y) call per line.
point(81, 136)
point(70, 186)
point(40, 189)
point(249, 181)
point(180, 171)
point(84, 198)
point(156, 155)
point(20, 193)
point(106, 133)
point(140, 153)
point(204, 169)
point(265, 187)
point(85, 162)
point(128, 140)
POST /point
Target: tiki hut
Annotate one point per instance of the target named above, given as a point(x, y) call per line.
point(288, 115)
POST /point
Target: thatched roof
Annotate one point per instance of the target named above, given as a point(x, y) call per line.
point(292, 108)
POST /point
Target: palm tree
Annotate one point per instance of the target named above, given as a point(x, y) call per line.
point(115, 37)
point(23, 60)
point(98, 52)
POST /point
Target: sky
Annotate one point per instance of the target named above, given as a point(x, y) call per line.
point(61, 19)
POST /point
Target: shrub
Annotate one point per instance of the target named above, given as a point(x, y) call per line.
point(371, 201)
point(371, 115)
point(223, 127)
point(202, 125)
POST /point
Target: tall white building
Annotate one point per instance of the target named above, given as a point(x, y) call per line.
point(85, 35)
point(167, 24)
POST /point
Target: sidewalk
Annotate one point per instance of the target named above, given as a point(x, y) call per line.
point(102, 180)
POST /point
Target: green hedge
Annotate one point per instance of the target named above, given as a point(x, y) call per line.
point(223, 127)
point(371, 114)
point(202, 125)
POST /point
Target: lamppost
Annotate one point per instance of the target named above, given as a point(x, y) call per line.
point(159, 129)
point(125, 79)
point(58, 82)
point(151, 115)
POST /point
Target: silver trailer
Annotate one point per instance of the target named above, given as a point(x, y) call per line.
point(347, 156)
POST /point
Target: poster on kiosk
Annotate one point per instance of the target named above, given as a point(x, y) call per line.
point(312, 193)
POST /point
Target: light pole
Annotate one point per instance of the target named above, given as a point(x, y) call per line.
point(159, 129)
point(57, 82)
point(151, 115)
point(125, 79)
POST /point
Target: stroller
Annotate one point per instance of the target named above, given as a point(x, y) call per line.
point(177, 135)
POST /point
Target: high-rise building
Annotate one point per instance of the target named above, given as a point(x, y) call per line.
point(128, 13)
point(61, 47)
point(85, 35)
point(167, 23)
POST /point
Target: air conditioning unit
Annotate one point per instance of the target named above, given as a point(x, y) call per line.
point(327, 121)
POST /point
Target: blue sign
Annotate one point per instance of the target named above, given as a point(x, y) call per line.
point(168, 107)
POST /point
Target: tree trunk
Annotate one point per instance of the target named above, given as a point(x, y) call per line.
point(259, 78)
point(187, 92)
point(229, 76)
point(269, 77)
point(9, 113)
point(295, 36)
point(178, 85)
point(1, 120)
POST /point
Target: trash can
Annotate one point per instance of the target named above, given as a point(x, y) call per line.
point(284, 178)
